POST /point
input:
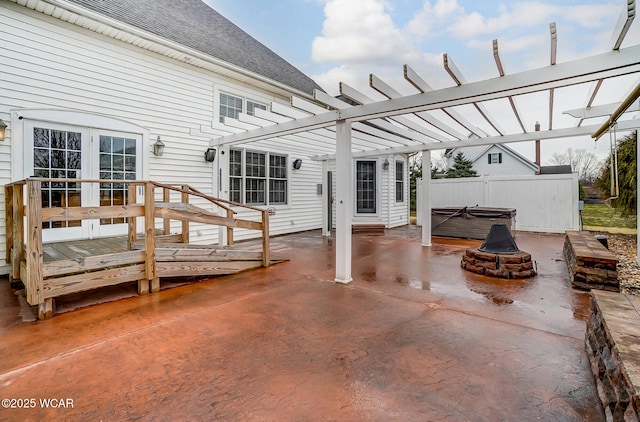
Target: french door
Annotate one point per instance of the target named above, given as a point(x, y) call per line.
point(60, 151)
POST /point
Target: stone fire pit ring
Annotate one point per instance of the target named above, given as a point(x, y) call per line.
point(514, 265)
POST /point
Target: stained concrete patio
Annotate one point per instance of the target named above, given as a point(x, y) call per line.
point(413, 337)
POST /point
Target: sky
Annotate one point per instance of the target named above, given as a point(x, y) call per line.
point(335, 41)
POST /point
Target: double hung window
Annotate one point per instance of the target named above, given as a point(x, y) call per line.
point(258, 178)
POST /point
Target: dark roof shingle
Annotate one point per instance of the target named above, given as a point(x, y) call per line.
point(194, 24)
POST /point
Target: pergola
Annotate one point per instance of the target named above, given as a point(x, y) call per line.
point(355, 125)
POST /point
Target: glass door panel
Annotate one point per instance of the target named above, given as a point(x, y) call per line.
point(56, 151)
point(118, 160)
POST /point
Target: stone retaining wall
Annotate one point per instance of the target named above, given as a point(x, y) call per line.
point(612, 343)
point(590, 264)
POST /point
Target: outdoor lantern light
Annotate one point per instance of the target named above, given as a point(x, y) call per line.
point(3, 126)
point(158, 147)
point(210, 155)
point(297, 163)
point(385, 165)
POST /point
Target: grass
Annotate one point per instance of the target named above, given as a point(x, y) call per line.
point(602, 215)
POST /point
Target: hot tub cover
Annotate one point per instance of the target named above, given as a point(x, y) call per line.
point(469, 212)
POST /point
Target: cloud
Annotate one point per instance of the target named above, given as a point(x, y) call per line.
point(360, 32)
point(426, 20)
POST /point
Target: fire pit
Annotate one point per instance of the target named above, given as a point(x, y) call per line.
point(499, 256)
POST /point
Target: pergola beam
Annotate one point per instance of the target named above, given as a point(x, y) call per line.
point(518, 137)
point(421, 85)
point(386, 90)
point(359, 97)
point(604, 110)
point(623, 25)
point(617, 37)
point(459, 79)
point(610, 64)
point(514, 107)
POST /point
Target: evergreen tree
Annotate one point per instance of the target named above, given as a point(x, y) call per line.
point(626, 201)
point(462, 167)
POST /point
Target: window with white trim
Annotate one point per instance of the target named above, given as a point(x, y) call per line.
point(232, 106)
point(399, 181)
point(366, 186)
point(495, 158)
point(258, 178)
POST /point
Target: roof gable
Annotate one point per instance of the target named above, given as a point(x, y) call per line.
point(194, 24)
point(483, 150)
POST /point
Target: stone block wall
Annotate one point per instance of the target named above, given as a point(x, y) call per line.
point(590, 264)
point(612, 343)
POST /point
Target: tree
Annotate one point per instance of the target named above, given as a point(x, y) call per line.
point(626, 200)
point(582, 161)
point(462, 167)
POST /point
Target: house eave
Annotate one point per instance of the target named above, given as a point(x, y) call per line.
point(79, 16)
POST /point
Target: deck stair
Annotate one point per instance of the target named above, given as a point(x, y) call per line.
point(147, 254)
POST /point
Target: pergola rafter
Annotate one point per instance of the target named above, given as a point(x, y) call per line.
point(356, 125)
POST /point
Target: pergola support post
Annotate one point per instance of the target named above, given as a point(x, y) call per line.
point(425, 205)
point(344, 202)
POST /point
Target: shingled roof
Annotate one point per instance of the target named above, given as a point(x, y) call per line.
point(194, 24)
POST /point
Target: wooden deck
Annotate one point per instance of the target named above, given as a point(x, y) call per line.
point(54, 269)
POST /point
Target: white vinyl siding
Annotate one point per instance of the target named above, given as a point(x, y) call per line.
point(49, 64)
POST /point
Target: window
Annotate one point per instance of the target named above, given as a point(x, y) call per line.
point(399, 181)
point(251, 107)
point(253, 181)
point(366, 187)
point(232, 106)
point(495, 158)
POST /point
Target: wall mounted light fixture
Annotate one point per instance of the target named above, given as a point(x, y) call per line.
point(3, 126)
point(297, 163)
point(385, 164)
point(158, 147)
point(210, 155)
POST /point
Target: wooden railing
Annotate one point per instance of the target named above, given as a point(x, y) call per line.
point(45, 280)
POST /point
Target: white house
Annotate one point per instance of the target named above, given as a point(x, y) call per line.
point(494, 160)
point(90, 88)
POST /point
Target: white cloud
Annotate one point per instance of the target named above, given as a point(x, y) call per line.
point(359, 32)
point(426, 20)
point(592, 16)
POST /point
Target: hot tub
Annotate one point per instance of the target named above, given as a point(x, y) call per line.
point(470, 222)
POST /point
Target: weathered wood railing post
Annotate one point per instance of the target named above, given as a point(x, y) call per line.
point(8, 212)
point(185, 223)
point(166, 222)
point(17, 252)
point(266, 256)
point(230, 229)
point(34, 280)
point(132, 221)
point(150, 237)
